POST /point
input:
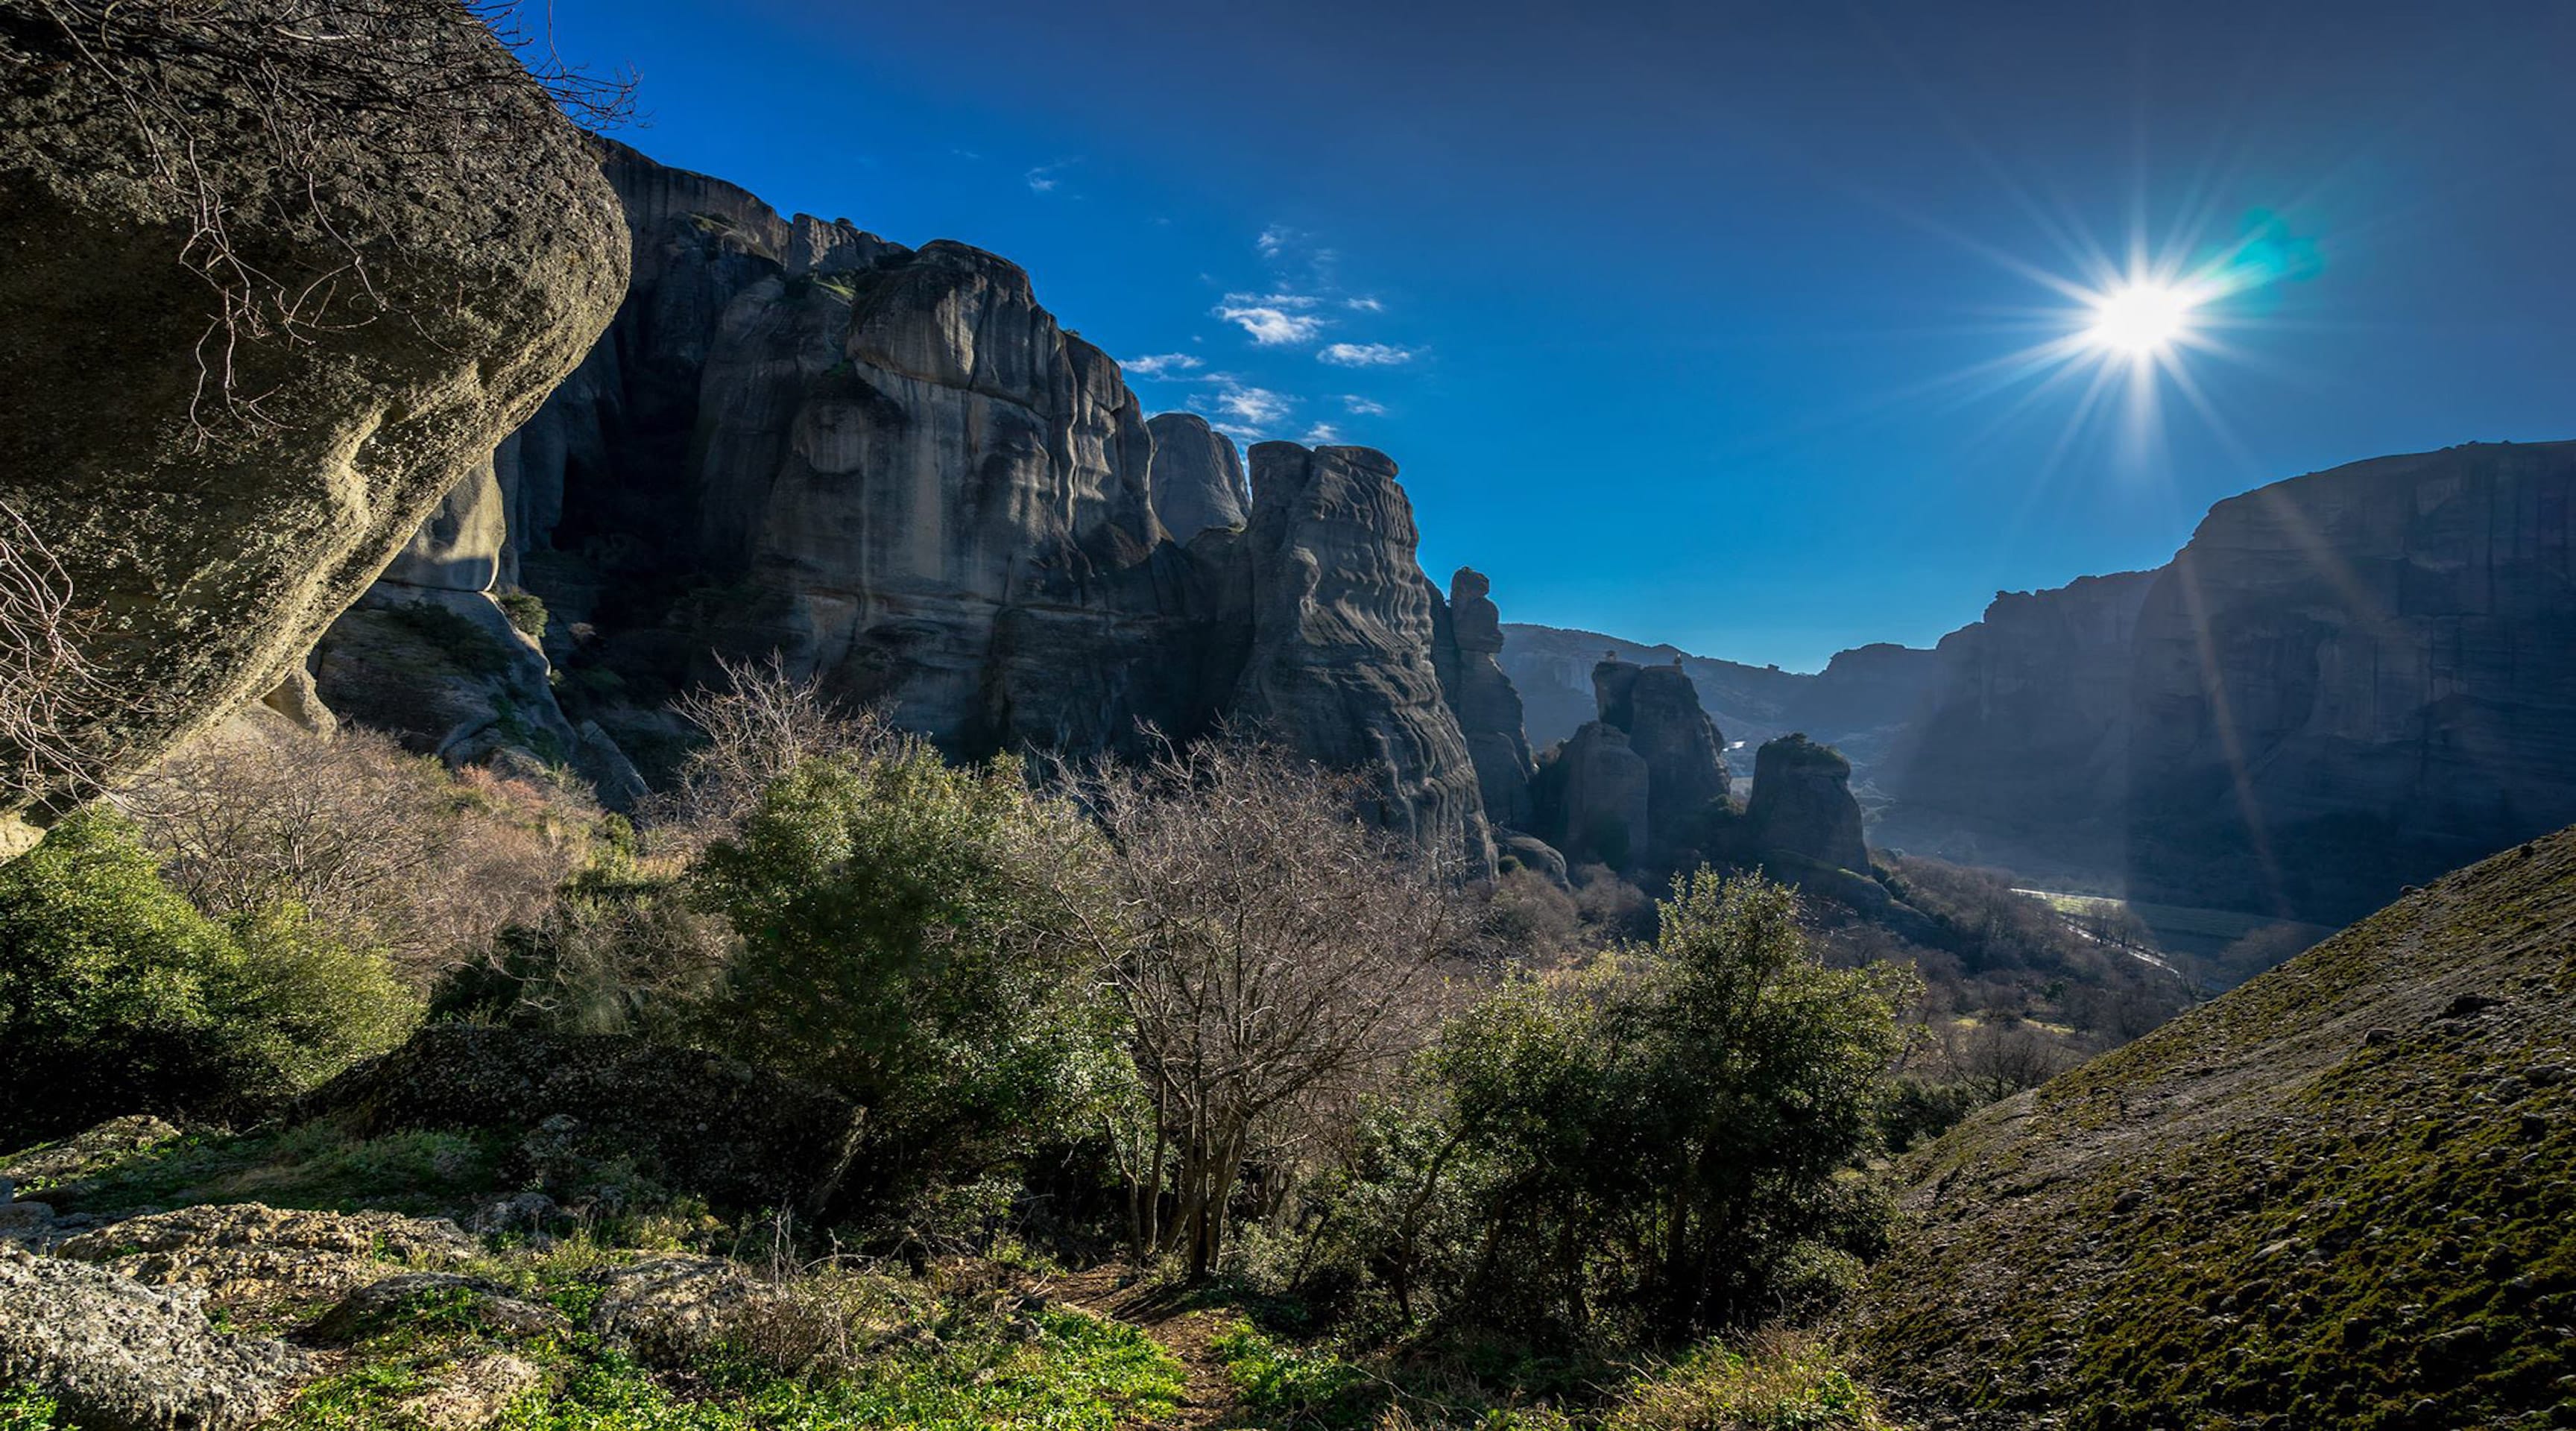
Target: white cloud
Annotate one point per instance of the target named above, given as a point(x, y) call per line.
point(1241, 433)
point(1363, 355)
point(1276, 300)
point(1258, 406)
point(1160, 365)
point(1044, 178)
point(1365, 305)
point(1275, 239)
point(1271, 325)
point(1321, 433)
point(1363, 407)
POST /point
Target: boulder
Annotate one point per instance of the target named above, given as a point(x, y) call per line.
point(1802, 805)
point(732, 1133)
point(120, 1356)
point(252, 1253)
point(473, 1393)
point(1340, 668)
point(676, 1310)
point(354, 1315)
point(240, 457)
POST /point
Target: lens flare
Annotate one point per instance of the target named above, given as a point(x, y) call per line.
point(2142, 320)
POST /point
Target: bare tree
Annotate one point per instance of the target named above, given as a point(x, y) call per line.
point(761, 725)
point(44, 678)
point(383, 845)
point(1272, 951)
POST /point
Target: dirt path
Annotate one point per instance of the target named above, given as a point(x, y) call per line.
point(1209, 1400)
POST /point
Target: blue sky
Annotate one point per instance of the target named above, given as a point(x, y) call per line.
point(1694, 323)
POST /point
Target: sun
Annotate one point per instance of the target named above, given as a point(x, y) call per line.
point(2143, 320)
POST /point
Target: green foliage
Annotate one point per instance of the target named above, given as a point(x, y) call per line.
point(24, 1409)
point(1282, 1380)
point(911, 932)
point(526, 612)
point(1771, 1384)
point(315, 1165)
point(116, 994)
point(466, 646)
point(1660, 1140)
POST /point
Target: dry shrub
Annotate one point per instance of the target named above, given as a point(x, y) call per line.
point(384, 847)
point(761, 725)
point(44, 678)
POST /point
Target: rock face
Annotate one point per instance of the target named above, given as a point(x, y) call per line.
point(120, 1356)
point(1468, 639)
point(1196, 476)
point(2339, 1195)
point(2020, 748)
point(2355, 680)
point(215, 538)
point(898, 471)
point(1802, 805)
point(1340, 668)
point(1643, 785)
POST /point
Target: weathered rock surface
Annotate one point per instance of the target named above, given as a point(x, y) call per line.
point(1685, 758)
point(2020, 751)
point(736, 1134)
point(1197, 476)
point(355, 1314)
point(250, 1252)
point(119, 1356)
point(2352, 681)
point(89, 1151)
point(474, 1392)
point(1341, 667)
point(1467, 640)
point(670, 1311)
point(1595, 798)
point(1802, 805)
point(216, 542)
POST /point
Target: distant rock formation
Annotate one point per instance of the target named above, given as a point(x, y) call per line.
point(897, 470)
point(1468, 639)
point(2018, 753)
point(1858, 702)
point(2355, 680)
point(1640, 785)
point(1802, 805)
point(222, 530)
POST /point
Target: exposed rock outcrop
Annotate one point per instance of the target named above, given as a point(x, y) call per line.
point(2019, 752)
point(1468, 639)
point(249, 1253)
point(1340, 667)
point(1197, 476)
point(218, 493)
point(120, 1356)
point(1802, 805)
point(2352, 681)
point(1645, 784)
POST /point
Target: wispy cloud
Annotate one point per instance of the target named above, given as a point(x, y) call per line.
point(1046, 178)
point(1269, 324)
point(1363, 407)
point(1321, 433)
point(1282, 299)
point(1365, 305)
point(1160, 365)
point(1253, 405)
point(1275, 240)
point(1363, 355)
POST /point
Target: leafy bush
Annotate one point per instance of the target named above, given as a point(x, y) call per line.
point(117, 994)
point(526, 612)
point(911, 932)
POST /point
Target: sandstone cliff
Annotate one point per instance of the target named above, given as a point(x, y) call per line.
point(1645, 783)
point(243, 449)
point(1467, 642)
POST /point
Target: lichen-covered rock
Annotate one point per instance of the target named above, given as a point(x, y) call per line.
point(217, 502)
point(735, 1134)
point(354, 1315)
point(120, 1356)
point(1340, 669)
point(676, 1310)
point(252, 1253)
point(1802, 805)
point(473, 1393)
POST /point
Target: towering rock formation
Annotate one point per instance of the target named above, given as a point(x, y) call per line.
point(899, 472)
point(2019, 751)
point(1340, 666)
point(2357, 679)
point(1802, 807)
point(1647, 780)
point(218, 530)
point(1469, 639)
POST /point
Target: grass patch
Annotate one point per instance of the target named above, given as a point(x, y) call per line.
point(316, 1166)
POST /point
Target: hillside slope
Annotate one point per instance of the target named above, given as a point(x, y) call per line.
point(2343, 1195)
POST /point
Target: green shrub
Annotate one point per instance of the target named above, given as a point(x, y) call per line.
point(23, 1409)
point(117, 995)
point(468, 647)
point(526, 612)
point(913, 933)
